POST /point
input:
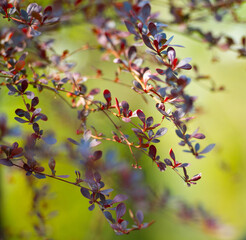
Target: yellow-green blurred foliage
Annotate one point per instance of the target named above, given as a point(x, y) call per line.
point(221, 190)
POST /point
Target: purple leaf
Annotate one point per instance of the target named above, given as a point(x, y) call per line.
point(48, 11)
point(197, 147)
point(24, 14)
point(29, 94)
point(107, 191)
point(116, 227)
point(184, 165)
point(160, 132)
point(152, 152)
point(169, 40)
point(141, 115)
point(207, 149)
point(132, 52)
point(89, 175)
point(187, 151)
point(63, 176)
point(200, 156)
point(24, 85)
point(161, 108)
point(97, 176)
point(125, 106)
point(168, 162)
point(145, 12)
point(91, 207)
point(33, 7)
point(34, 33)
point(124, 224)
point(152, 29)
point(171, 153)
point(171, 54)
point(199, 136)
point(41, 116)
point(130, 27)
point(137, 130)
point(147, 42)
point(161, 166)
point(15, 145)
point(159, 25)
point(184, 128)
point(107, 96)
point(6, 162)
point(85, 192)
point(184, 64)
point(94, 91)
point(108, 215)
point(20, 112)
point(139, 216)
point(186, 67)
point(175, 45)
point(35, 101)
point(179, 134)
point(73, 141)
point(153, 77)
point(37, 111)
point(97, 155)
point(94, 143)
point(35, 127)
point(20, 120)
point(52, 20)
point(185, 173)
point(120, 210)
point(119, 198)
point(11, 88)
point(196, 177)
point(149, 121)
point(39, 176)
point(27, 115)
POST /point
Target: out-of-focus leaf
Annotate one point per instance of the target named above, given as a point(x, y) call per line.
point(120, 210)
point(85, 192)
point(207, 149)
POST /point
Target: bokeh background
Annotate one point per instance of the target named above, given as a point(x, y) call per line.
point(221, 191)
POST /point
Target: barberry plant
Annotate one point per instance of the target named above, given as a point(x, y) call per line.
point(30, 65)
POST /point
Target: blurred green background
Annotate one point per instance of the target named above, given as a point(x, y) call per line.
point(221, 190)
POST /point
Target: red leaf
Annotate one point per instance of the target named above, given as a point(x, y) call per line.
point(172, 155)
point(107, 96)
point(117, 105)
point(196, 177)
point(77, 2)
point(16, 151)
point(152, 152)
point(19, 65)
point(141, 115)
point(48, 11)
